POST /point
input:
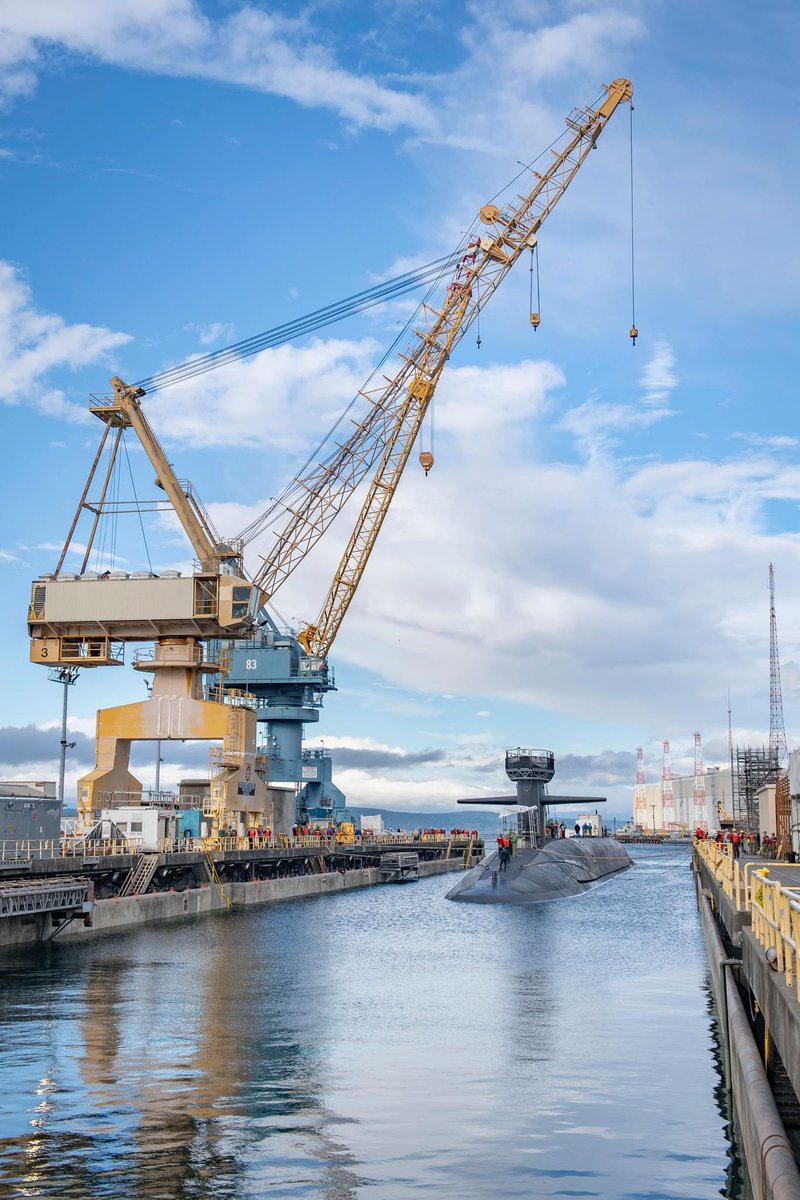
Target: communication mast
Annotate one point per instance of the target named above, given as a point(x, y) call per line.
point(777, 730)
point(700, 810)
point(667, 802)
point(640, 801)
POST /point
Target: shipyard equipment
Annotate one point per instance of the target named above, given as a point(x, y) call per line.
point(84, 620)
point(288, 673)
point(280, 678)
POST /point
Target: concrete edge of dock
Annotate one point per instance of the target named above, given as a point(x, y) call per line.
point(115, 915)
point(769, 1157)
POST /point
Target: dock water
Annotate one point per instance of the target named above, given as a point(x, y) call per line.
point(375, 1044)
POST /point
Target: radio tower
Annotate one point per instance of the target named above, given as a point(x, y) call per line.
point(667, 804)
point(777, 732)
point(700, 812)
point(640, 803)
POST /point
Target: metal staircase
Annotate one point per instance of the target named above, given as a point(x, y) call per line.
point(215, 879)
point(141, 876)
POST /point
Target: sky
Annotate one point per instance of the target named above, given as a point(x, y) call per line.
point(585, 569)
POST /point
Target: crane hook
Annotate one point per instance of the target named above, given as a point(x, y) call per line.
point(426, 461)
point(633, 334)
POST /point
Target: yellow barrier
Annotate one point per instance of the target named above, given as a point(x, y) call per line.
point(774, 907)
point(775, 919)
point(724, 867)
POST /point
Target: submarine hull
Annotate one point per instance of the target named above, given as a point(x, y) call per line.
point(564, 867)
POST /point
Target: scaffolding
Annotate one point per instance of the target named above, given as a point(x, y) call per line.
point(752, 769)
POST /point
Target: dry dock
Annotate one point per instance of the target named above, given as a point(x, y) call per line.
point(751, 925)
point(80, 889)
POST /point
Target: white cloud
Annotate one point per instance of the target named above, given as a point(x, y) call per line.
point(583, 587)
point(33, 343)
point(250, 47)
point(272, 399)
point(597, 425)
point(464, 107)
point(216, 331)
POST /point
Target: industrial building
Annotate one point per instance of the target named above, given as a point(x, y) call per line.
point(648, 801)
point(29, 810)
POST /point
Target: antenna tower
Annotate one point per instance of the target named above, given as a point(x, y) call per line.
point(700, 810)
point(667, 802)
point(640, 803)
point(777, 730)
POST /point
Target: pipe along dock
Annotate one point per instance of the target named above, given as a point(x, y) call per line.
point(74, 889)
point(751, 926)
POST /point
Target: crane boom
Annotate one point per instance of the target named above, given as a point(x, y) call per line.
point(125, 410)
point(400, 408)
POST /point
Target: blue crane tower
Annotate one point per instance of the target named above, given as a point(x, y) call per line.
point(289, 687)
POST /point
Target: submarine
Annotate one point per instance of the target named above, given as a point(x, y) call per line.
point(541, 868)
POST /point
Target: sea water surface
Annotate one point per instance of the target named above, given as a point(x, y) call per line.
point(377, 1045)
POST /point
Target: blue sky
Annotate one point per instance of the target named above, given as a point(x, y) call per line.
point(586, 566)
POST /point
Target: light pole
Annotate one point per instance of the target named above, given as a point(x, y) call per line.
point(653, 811)
point(65, 676)
point(159, 759)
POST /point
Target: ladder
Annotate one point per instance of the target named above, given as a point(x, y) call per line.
point(140, 876)
point(215, 879)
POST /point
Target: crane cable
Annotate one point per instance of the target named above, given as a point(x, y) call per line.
point(280, 334)
point(278, 504)
point(535, 315)
point(136, 502)
point(634, 332)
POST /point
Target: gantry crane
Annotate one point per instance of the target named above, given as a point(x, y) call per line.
point(80, 622)
point(84, 620)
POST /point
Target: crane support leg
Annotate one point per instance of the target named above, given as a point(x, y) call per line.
point(175, 712)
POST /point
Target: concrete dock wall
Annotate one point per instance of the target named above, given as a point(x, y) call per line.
point(771, 1163)
point(109, 916)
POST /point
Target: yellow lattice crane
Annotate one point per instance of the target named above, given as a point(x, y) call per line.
point(84, 620)
point(396, 409)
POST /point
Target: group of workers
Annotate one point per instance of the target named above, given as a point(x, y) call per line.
point(506, 845)
point(746, 840)
point(554, 830)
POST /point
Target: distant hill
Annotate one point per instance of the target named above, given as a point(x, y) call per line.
point(486, 823)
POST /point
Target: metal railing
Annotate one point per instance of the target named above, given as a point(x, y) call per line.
point(774, 907)
point(26, 850)
point(13, 852)
point(775, 917)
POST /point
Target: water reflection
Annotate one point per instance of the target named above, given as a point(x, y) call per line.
point(374, 1044)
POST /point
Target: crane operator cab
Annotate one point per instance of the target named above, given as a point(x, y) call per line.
point(84, 620)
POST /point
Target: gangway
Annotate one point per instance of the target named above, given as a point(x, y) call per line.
point(64, 899)
point(141, 875)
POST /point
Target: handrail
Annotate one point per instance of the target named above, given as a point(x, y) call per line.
point(774, 907)
point(17, 851)
point(775, 919)
point(26, 849)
